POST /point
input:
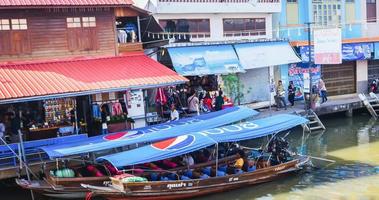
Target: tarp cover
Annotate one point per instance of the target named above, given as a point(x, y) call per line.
point(264, 54)
point(194, 141)
point(204, 60)
point(152, 133)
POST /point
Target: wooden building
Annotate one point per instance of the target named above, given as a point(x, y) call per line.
point(65, 28)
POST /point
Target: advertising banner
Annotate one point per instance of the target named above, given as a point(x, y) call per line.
point(204, 60)
point(350, 52)
point(327, 46)
point(264, 54)
point(376, 50)
point(296, 74)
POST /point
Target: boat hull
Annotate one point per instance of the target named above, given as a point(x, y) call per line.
point(163, 190)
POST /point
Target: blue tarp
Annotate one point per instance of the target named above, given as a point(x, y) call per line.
point(198, 140)
point(264, 54)
point(152, 133)
point(204, 60)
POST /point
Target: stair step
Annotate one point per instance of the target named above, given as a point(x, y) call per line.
point(315, 128)
point(313, 122)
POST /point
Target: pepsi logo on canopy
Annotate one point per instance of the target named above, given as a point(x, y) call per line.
point(174, 143)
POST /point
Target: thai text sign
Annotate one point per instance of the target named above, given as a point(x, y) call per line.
point(328, 46)
point(296, 74)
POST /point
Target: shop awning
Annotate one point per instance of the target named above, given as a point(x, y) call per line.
point(264, 54)
point(44, 80)
point(204, 60)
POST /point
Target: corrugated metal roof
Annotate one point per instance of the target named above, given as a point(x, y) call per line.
point(73, 76)
point(64, 2)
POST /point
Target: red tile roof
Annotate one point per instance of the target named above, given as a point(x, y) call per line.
point(64, 2)
point(87, 76)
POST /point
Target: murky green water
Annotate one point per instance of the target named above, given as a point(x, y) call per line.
point(352, 142)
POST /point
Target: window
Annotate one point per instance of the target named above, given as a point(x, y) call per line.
point(327, 12)
point(244, 26)
point(19, 24)
point(89, 21)
point(200, 27)
point(371, 10)
point(4, 25)
point(81, 36)
point(73, 22)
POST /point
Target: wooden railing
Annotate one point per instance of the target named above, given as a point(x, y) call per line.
point(218, 1)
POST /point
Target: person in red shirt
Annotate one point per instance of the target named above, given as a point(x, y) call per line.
point(208, 101)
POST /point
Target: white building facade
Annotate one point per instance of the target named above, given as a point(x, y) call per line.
point(223, 20)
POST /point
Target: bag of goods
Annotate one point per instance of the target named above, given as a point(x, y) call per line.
point(133, 179)
point(94, 171)
point(63, 173)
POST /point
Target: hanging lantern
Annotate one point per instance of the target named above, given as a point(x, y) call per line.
point(148, 34)
point(184, 36)
point(350, 27)
point(153, 36)
point(180, 37)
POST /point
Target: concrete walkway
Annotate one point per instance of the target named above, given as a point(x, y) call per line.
point(342, 103)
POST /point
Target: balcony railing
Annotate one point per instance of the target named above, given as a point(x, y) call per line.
point(218, 1)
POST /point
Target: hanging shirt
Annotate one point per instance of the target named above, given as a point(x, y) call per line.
point(117, 109)
point(96, 112)
point(2, 130)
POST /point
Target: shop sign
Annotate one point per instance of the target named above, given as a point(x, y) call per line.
point(327, 46)
point(350, 52)
point(376, 50)
point(296, 74)
point(204, 60)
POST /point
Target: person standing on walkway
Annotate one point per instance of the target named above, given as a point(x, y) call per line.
point(291, 93)
point(280, 93)
point(219, 102)
point(322, 88)
point(193, 103)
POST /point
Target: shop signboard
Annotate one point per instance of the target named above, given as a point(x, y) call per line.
point(327, 46)
point(350, 52)
point(297, 73)
point(376, 50)
point(264, 54)
point(204, 60)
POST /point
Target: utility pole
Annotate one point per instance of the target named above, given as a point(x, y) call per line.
point(309, 66)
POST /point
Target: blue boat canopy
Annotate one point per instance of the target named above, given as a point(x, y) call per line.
point(151, 133)
point(188, 143)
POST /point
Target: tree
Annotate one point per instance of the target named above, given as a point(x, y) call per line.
point(234, 88)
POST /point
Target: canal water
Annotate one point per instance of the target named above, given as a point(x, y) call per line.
point(353, 143)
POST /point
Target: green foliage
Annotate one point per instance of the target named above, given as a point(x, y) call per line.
point(234, 88)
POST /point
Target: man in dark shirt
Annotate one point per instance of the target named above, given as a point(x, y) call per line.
point(219, 101)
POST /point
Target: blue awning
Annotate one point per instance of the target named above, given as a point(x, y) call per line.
point(204, 60)
point(194, 141)
point(152, 133)
point(264, 54)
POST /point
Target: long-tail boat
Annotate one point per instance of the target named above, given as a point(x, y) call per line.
point(184, 186)
point(69, 188)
